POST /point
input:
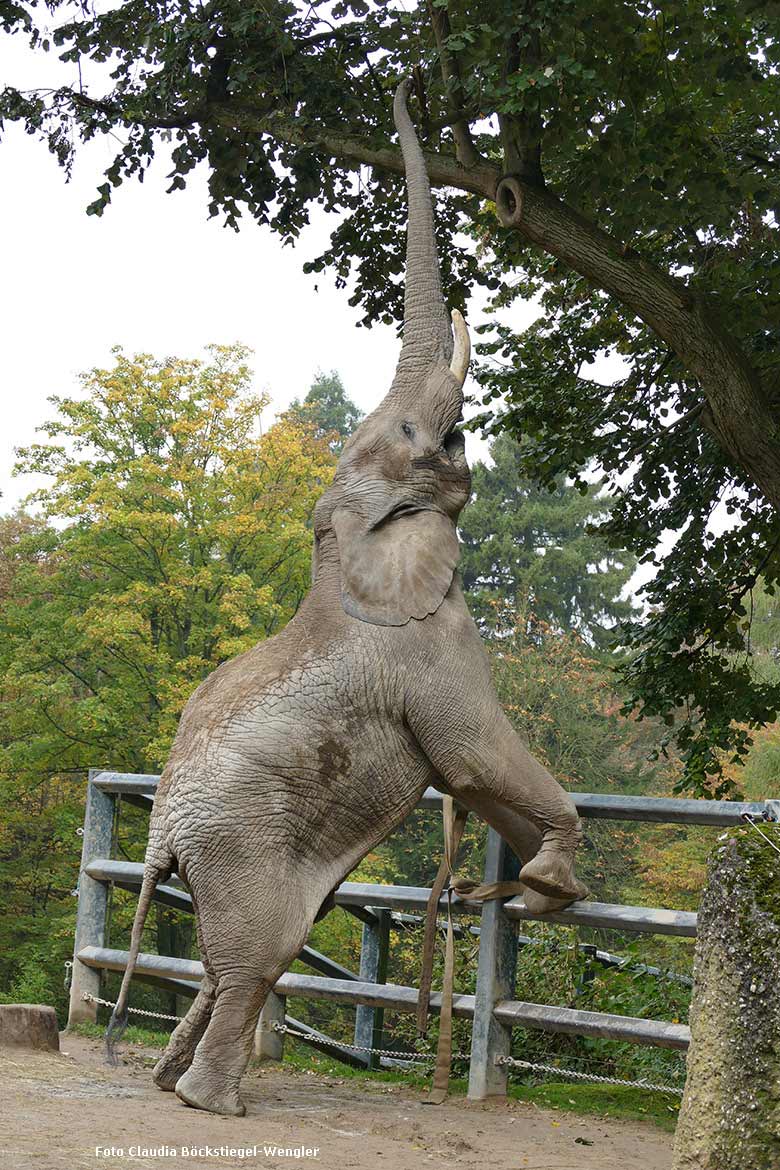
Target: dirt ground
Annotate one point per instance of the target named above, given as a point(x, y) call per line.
point(68, 1111)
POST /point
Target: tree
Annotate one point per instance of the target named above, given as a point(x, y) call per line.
point(533, 549)
point(168, 539)
point(618, 161)
point(327, 408)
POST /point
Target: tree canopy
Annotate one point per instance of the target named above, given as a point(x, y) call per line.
point(186, 540)
point(168, 538)
point(618, 161)
point(328, 409)
point(534, 549)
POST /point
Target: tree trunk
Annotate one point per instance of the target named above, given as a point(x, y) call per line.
point(730, 1116)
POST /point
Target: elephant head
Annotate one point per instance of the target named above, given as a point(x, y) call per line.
point(402, 479)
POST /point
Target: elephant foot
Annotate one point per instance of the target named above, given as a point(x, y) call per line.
point(169, 1068)
point(551, 873)
point(541, 904)
point(194, 1090)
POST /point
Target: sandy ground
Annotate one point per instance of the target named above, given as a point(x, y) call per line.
point(68, 1111)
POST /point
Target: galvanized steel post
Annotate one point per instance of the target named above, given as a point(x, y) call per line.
point(92, 900)
point(269, 1043)
point(374, 950)
point(496, 969)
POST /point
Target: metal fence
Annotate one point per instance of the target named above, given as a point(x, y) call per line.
point(493, 1010)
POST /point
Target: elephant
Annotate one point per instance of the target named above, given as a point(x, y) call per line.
point(295, 759)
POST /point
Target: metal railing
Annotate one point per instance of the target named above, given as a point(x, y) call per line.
point(493, 1010)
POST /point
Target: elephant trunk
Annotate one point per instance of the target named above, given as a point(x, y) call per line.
point(427, 336)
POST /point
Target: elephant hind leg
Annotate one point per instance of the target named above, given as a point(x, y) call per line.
point(180, 1050)
point(251, 936)
point(179, 1054)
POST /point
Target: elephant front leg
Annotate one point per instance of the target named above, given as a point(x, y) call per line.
point(523, 838)
point(482, 761)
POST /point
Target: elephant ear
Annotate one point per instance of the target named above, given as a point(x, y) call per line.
point(399, 569)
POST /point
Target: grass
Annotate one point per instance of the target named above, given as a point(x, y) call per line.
point(607, 1101)
point(604, 1101)
point(134, 1034)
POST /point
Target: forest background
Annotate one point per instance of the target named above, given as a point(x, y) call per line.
point(171, 535)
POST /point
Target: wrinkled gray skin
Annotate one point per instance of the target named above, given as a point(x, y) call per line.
point(295, 759)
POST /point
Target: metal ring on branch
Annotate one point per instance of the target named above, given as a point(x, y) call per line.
point(509, 201)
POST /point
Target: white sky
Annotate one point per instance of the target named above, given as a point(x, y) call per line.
point(154, 274)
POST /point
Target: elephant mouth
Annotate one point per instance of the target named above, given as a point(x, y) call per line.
point(406, 508)
point(430, 463)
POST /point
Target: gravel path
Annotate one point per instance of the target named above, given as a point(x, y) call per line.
point(69, 1111)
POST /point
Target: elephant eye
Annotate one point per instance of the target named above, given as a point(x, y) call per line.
point(408, 430)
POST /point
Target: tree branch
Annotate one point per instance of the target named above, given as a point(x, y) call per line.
point(521, 134)
point(742, 415)
point(341, 143)
point(466, 151)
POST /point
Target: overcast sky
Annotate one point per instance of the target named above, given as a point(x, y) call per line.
point(154, 274)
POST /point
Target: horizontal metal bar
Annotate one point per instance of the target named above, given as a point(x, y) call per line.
point(163, 966)
point(612, 916)
point(326, 1044)
point(403, 898)
point(138, 783)
point(664, 810)
point(129, 875)
point(598, 805)
point(167, 893)
point(655, 1033)
point(404, 999)
point(637, 919)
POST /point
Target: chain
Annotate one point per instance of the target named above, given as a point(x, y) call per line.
point(420, 1058)
point(580, 1076)
point(136, 1011)
point(412, 1058)
point(425, 1058)
point(68, 974)
point(747, 817)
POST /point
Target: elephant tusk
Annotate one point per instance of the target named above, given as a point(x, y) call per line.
point(461, 353)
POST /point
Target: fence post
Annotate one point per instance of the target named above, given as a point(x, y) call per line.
point(495, 979)
point(374, 949)
point(269, 1044)
point(92, 899)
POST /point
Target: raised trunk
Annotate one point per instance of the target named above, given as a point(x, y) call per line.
point(427, 334)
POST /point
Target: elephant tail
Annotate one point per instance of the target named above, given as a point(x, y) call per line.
point(157, 868)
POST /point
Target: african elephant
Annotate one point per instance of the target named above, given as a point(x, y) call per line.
point(295, 759)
